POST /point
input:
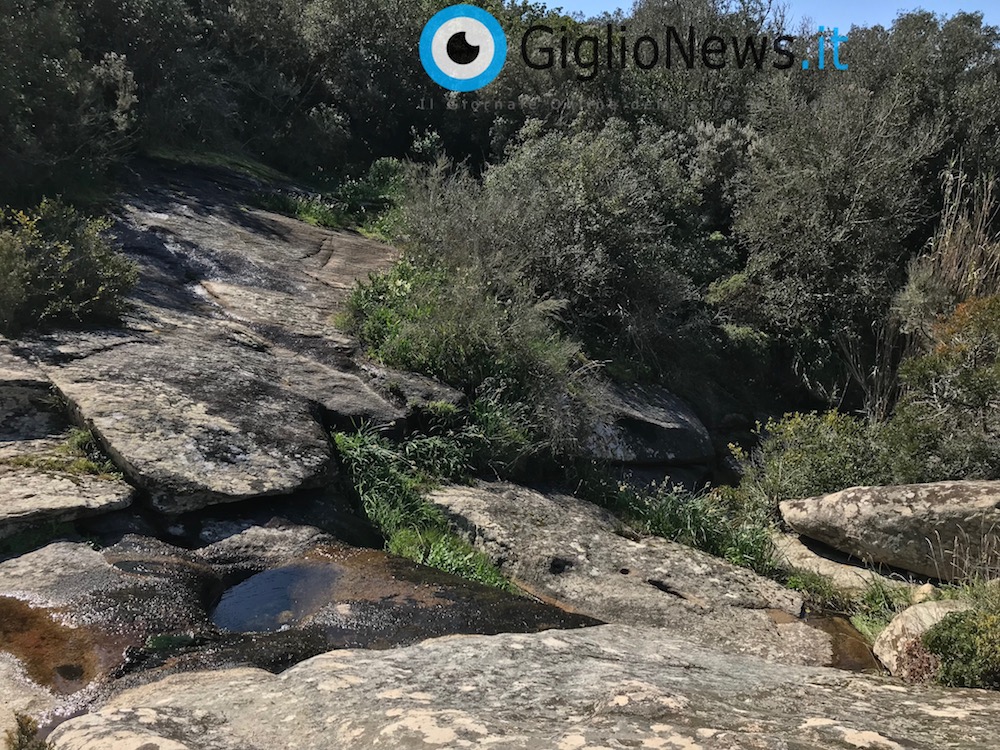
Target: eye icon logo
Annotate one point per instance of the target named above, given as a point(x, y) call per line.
point(463, 48)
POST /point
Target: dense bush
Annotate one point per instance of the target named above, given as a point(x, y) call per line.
point(59, 269)
point(63, 117)
point(968, 646)
point(505, 354)
point(944, 427)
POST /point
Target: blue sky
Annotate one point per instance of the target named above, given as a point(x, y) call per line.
point(842, 13)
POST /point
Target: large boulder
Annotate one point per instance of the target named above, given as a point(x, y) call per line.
point(604, 687)
point(944, 530)
point(901, 639)
point(650, 427)
point(571, 552)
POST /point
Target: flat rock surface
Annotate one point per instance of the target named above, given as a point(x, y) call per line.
point(942, 530)
point(38, 481)
point(568, 551)
point(18, 694)
point(228, 370)
point(605, 687)
point(29, 497)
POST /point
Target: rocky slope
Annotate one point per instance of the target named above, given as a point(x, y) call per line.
point(210, 591)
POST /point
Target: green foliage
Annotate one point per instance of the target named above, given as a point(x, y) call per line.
point(445, 551)
point(25, 735)
point(804, 455)
point(946, 424)
point(64, 116)
point(818, 591)
point(709, 521)
point(366, 202)
point(532, 387)
point(391, 481)
point(602, 227)
point(59, 270)
point(876, 607)
point(968, 646)
point(310, 209)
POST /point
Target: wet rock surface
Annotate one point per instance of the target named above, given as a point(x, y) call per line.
point(569, 551)
point(76, 618)
point(942, 530)
point(610, 686)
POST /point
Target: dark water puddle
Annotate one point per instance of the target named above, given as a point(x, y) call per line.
point(364, 598)
point(276, 599)
point(850, 649)
point(55, 656)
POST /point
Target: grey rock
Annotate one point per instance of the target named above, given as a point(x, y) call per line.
point(944, 530)
point(570, 552)
point(909, 626)
point(649, 426)
point(229, 369)
point(19, 695)
point(29, 497)
point(603, 687)
point(847, 575)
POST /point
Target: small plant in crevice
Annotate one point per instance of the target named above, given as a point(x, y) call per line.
point(24, 736)
point(878, 604)
point(79, 455)
point(819, 592)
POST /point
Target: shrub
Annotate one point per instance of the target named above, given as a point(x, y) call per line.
point(25, 735)
point(947, 418)
point(532, 386)
point(968, 645)
point(804, 455)
point(59, 270)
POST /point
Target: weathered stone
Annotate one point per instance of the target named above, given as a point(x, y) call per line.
point(568, 551)
point(29, 497)
point(227, 373)
point(944, 530)
point(908, 626)
point(19, 695)
point(650, 427)
point(926, 593)
point(604, 687)
point(847, 575)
